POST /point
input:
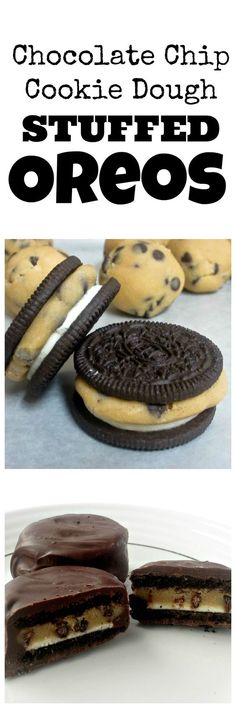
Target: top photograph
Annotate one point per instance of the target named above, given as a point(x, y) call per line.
point(117, 353)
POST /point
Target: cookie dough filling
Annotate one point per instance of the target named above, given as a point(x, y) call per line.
point(206, 262)
point(69, 627)
point(135, 415)
point(70, 318)
point(50, 318)
point(150, 277)
point(185, 599)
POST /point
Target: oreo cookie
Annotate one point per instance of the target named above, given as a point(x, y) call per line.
point(147, 385)
point(32, 307)
point(55, 319)
point(72, 337)
point(183, 592)
point(58, 612)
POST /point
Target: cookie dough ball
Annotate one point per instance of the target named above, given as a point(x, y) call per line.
point(25, 270)
point(206, 262)
point(113, 243)
point(149, 275)
point(13, 245)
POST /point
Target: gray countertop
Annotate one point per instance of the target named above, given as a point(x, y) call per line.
point(45, 435)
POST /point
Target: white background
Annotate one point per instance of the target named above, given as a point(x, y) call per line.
point(149, 25)
point(52, 24)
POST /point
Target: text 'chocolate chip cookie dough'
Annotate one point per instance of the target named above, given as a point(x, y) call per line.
point(150, 277)
point(147, 385)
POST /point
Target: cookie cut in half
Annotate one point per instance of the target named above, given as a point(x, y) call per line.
point(191, 593)
point(147, 385)
point(59, 612)
point(81, 539)
point(57, 316)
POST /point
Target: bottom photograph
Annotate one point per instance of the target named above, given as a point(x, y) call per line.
point(115, 603)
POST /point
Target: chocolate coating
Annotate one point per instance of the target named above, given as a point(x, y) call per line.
point(180, 577)
point(184, 570)
point(51, 594)
point(78, 539)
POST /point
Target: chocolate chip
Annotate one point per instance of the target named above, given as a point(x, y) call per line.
point(158, 302)
point(147, 299)
point(227, 601)
point(158, 255)
point(196, 599)
point(216, 268)
point(179, 600)
point(147, 313)
point(115, 258)
point(186, 258)
point(107, 611)
point(81, 625)
point(175, 284)
point(140, 247)
point(34, 260)
point(27, 636)
point(84, 284)
point(105, 264)
point(156, 410)
point(58, 295)
point(62, 629)
point(166, 281)
point(136, 265)
point(195, 280)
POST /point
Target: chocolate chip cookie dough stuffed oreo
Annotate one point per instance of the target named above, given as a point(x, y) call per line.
point(56, 302)
point(147, 385)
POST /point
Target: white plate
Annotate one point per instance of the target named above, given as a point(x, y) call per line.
point(147, 664)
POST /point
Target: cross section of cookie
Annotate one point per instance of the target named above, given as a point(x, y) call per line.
point(191, 593)
point(59, 612)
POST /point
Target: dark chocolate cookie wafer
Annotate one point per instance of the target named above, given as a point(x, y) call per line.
point(182, 592)
point(57, 612)
point(136, 440)
point(72, 338)
point(32, 307)
point(152, 362)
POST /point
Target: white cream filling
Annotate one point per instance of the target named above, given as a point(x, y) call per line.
point(73, 313)
point(149, 428)
point(204, 607)
point(50, 640)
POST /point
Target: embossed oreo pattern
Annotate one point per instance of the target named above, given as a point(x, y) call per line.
point(151, 362)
